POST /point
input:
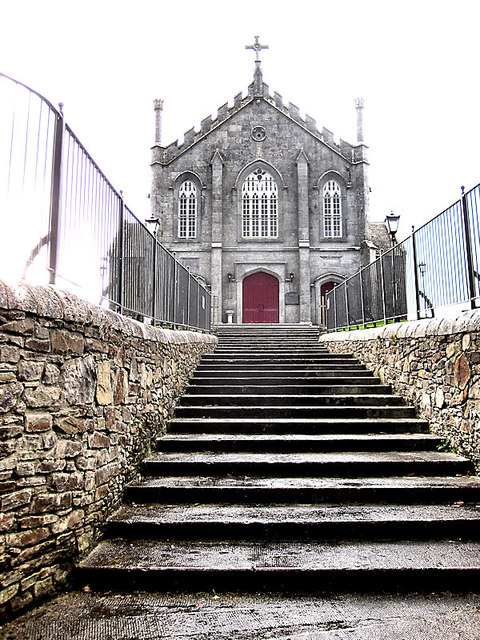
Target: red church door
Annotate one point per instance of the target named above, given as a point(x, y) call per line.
point(325, 288)
point(260, 298)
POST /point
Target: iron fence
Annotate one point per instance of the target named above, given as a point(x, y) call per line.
point(63, 223)
point(434, 268)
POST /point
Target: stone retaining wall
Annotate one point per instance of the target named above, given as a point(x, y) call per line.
point(434, 364)
point(83, 393)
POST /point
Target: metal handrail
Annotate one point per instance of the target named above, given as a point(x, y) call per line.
point(62, 222)
point(436, 266)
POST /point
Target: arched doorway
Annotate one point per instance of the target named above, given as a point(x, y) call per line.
point(325, 288)
point(260, 298)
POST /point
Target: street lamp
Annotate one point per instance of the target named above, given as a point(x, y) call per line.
point(391, 221)
point(153, 225)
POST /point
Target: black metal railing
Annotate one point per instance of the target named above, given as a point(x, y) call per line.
point(63, 223)
point(436, 267)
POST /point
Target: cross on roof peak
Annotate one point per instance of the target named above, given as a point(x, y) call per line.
point(257, 47)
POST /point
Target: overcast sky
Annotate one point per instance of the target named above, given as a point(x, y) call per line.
point(414, 62)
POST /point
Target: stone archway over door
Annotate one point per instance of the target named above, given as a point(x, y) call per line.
point(260, 298)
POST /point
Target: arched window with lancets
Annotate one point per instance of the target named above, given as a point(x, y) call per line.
point(259, 205)
point(187, 210)
point(332, 210)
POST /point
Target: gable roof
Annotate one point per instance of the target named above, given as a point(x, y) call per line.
point(353, 154)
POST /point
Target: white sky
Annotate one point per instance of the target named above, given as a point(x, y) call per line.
point(415, 62)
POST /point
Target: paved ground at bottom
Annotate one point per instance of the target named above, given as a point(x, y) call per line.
point(202, 616)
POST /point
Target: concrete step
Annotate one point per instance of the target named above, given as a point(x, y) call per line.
point(308, 376)
point(287, 389)
point(282, 353)
point(308, 490)
point(278, 359)
point(294, 522)
point(276, 373)
point(278, 367)
point(284, 425)
point(293, 381)
point(279, 349)
point(259, 443)
point(277, 340)
point(293, 400)
point(260, 412)
point(333, 465)
point(280, 565)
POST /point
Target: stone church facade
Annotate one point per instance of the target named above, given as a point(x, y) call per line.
point(268, 210)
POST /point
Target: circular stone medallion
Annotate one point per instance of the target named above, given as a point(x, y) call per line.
point(258, 134)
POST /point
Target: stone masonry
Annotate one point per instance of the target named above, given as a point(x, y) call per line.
point(259, 132)
point(435, 364)
point(83, 392)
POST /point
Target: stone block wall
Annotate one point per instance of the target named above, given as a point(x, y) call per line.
point(83, 394)
point(434, 364)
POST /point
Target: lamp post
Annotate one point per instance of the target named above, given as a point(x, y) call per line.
point(153, 225)
point(392, 220)
point(422, 267)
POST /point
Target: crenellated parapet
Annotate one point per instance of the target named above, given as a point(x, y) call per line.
point(351, 153)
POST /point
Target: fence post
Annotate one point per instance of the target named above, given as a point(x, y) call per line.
point(468, 250)
point(394, 286)
point(335, 307)
point(174, 291)
point(188, 297)
point(55, 195)
point(361, 297)
point(382, 276)
point(199, 303)
point(154, 281)
point(121, 255)
point(415, 274)
point(347, 309)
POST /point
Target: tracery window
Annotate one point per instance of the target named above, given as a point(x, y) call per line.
point(332, 210)
point(187, 210)
point(259, 205)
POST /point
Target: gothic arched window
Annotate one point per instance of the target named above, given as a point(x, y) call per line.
point(332, 210)
point(259, 205)
point(187, 210)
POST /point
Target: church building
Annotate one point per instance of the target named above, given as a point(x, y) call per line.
point(269, 211)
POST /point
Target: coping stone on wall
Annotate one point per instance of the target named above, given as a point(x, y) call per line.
point(48, 301)
point(464, 322)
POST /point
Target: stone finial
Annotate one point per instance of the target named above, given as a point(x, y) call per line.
point(359, 106)
point(158, 106)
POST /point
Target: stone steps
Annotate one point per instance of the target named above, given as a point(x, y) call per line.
point(286, 359)
point(283, 565)
point(290, 469)
point(300, 443)
point(259, 371)
point(408, 490)
point(298, 425)
point(257, 367)
point(281, 465)
point(293, 380)
point(285, 389)
point(293, 521)
point(261, 411)
point(226, 399)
